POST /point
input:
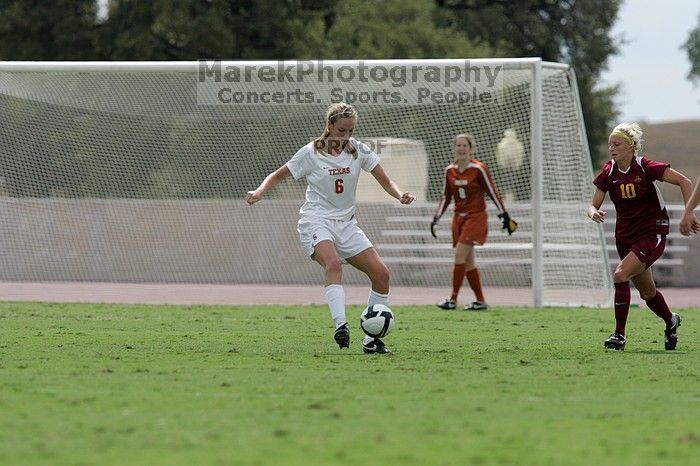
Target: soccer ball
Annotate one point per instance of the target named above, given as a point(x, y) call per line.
point(377, 321)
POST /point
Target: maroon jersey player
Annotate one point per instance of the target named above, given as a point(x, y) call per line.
point(641, 226)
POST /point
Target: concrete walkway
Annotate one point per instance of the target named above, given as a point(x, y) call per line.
point(185, 293)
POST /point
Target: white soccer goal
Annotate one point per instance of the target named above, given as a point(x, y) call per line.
point(136, 171)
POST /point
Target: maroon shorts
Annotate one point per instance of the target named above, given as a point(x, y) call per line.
point(470, 229)
point(647, 250)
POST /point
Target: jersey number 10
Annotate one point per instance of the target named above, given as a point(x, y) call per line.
point(627, 190)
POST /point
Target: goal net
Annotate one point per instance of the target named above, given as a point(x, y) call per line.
point(136, 172)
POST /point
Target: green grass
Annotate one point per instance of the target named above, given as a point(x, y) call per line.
point(177, 385)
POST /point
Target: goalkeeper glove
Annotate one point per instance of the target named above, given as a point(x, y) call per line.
point(433, 224)
point(508, 223)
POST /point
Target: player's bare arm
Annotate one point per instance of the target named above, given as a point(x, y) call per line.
point(391, 187)
point(594, 212)
point(680, 180)
point(683, 182)
point(690, 223)
point(272, 180)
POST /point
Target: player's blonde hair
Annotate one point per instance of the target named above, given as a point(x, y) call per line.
point(632, 133)
point(469, 138)
point(335, 113)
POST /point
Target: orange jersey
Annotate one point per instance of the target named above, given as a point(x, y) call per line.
point(468, 189)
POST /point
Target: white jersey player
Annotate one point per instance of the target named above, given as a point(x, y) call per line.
point(327, 228)
point(332, 179)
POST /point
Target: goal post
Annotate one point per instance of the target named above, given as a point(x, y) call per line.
point(136, 171)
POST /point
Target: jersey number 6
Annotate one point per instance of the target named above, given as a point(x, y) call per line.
point(339, 186)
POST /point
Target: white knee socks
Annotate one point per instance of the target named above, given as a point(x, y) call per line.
point(375, 298)
point(335, 297)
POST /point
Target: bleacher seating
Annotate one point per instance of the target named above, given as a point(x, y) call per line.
point(406, 239)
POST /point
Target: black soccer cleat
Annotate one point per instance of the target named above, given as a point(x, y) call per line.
point(671, 334)
point(476, 306)
point(447, 304)
point(376, 346)
point(615, 341)
point(342, 336)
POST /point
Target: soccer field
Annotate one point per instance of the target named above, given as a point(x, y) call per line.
point(86, 384)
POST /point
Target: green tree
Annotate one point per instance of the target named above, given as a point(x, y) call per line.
point(154, 30)
point(392, 29)
point(194, 29)
point(31, 30)
point(569, 31)
point(692, 47)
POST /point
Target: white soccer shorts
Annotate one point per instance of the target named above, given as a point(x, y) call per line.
point(348, 238)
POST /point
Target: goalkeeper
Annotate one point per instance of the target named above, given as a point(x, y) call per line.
point(467, 181)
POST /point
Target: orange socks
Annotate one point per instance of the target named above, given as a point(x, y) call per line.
point(457, 279)
point(475, 283)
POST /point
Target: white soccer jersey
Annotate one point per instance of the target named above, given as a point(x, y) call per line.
point(332, 180)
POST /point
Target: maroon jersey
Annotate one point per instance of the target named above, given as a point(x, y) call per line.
point(641, 211)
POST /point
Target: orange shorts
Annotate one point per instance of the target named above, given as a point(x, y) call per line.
point(470, 229)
